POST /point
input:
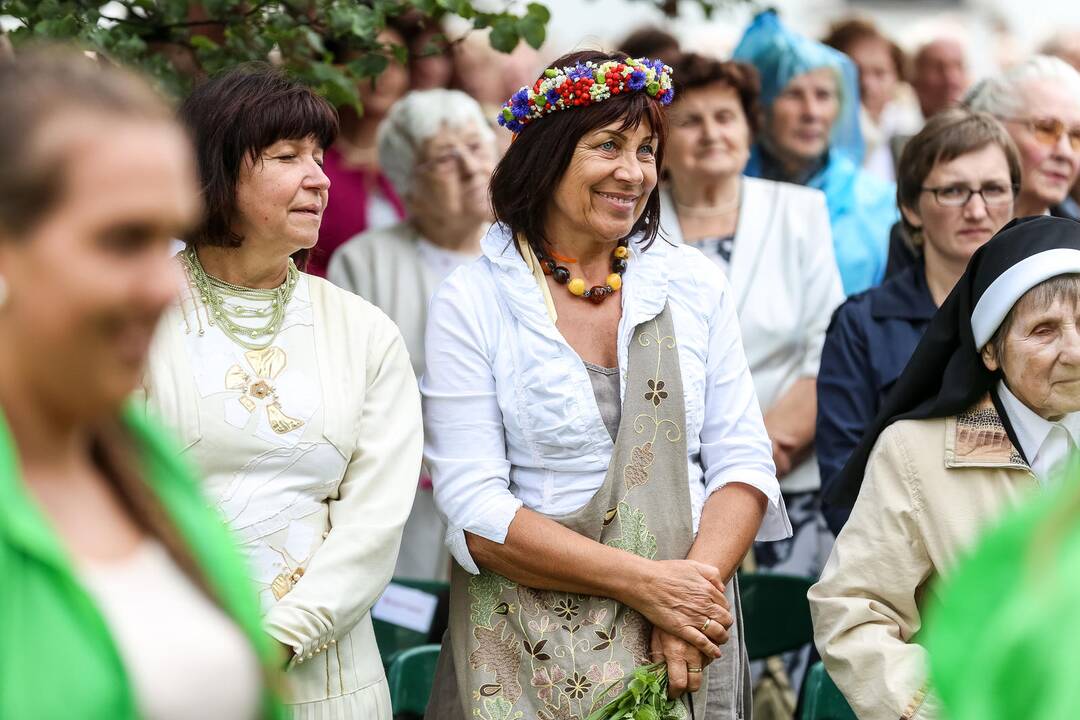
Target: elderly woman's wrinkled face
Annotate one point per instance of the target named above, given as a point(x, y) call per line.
point(610, 177)
point(450, 180)
point(89, 281)
point(953, 233)
point(1041, 356)
point(281, 195)
point(802, 115)
point(1050, 162)
point(709, 136)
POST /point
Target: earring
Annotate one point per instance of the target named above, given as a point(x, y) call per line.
point(3, 291)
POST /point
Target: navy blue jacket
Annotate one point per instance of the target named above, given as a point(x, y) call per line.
point(869, 341)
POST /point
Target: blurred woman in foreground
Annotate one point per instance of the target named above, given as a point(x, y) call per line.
point(102, 532)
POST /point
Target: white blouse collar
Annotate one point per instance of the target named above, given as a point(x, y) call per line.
point(645, 282)
point(1031, 428)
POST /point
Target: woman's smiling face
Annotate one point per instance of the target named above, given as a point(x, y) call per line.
point(610, 177)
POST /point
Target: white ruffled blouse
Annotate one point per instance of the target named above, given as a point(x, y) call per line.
point(509, 412)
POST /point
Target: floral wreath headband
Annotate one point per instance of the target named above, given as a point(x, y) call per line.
point(586, 84)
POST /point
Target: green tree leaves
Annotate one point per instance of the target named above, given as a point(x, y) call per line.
point(177, 40)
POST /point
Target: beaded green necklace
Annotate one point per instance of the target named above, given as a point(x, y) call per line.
point(216, 293)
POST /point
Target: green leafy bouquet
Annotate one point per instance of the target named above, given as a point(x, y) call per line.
point(645, 698)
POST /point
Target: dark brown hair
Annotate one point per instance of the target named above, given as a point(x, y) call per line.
point(38, 86)
point(234, 117)
point(946, 136)
point(693, 71)
point(526, 178)
point(650, 42)
point(845, 34)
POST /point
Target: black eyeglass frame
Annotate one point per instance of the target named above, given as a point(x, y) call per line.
point(970, 192)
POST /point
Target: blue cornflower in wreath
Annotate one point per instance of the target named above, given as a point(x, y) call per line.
point(578, 686)
point(566, 608)
point(657, 393)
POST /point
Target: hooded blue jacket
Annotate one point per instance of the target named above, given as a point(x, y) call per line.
point(862, 208)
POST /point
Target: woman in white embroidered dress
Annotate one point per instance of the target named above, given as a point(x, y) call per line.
point(525, 381)
point(295, 399)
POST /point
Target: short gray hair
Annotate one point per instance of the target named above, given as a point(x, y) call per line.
point(1002, 96)
point(416, 118)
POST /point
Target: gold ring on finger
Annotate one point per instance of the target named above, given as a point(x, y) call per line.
point(708, 622)
point(693, 670)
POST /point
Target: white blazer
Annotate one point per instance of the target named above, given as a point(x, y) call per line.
point(786, 284)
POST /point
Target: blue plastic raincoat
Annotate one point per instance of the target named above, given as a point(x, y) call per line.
point(862, 208)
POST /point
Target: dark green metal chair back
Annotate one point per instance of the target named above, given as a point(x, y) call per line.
point(410, 677)
point(776, 613)
point(391, 638)
point(822, 700)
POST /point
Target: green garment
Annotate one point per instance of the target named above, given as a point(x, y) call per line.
point(59, 659)
point(1004, 641)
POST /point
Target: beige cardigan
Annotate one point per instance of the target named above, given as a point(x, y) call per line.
point(371, 413)
point(930, 487)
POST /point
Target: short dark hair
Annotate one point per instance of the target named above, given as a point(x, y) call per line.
point(693, 71)
point(845, 34)
point(235, 116)
point(650, 42)
point(946, 136)
point(526, 178)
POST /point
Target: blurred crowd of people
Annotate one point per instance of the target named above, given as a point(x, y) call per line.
point(843, 343)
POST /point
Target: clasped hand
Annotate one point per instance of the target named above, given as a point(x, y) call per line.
point(682, 595)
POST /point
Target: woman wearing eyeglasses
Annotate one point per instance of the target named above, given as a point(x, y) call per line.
point(1038, 101)
point(955, 189)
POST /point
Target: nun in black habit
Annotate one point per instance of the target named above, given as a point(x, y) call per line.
point(984, 413)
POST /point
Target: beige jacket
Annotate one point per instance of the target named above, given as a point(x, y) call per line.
point(384, 267)
point(930, 487)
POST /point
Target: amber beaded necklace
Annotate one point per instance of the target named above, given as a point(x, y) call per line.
point(597, 293)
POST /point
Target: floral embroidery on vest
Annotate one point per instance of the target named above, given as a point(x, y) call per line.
point(560, 656)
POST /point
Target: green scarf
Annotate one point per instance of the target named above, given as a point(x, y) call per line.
point(59, 658)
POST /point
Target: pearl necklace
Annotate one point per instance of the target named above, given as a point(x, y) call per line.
point(216, 293)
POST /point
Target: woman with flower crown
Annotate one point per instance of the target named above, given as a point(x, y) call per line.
point(595, 442)
point(295, 399)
